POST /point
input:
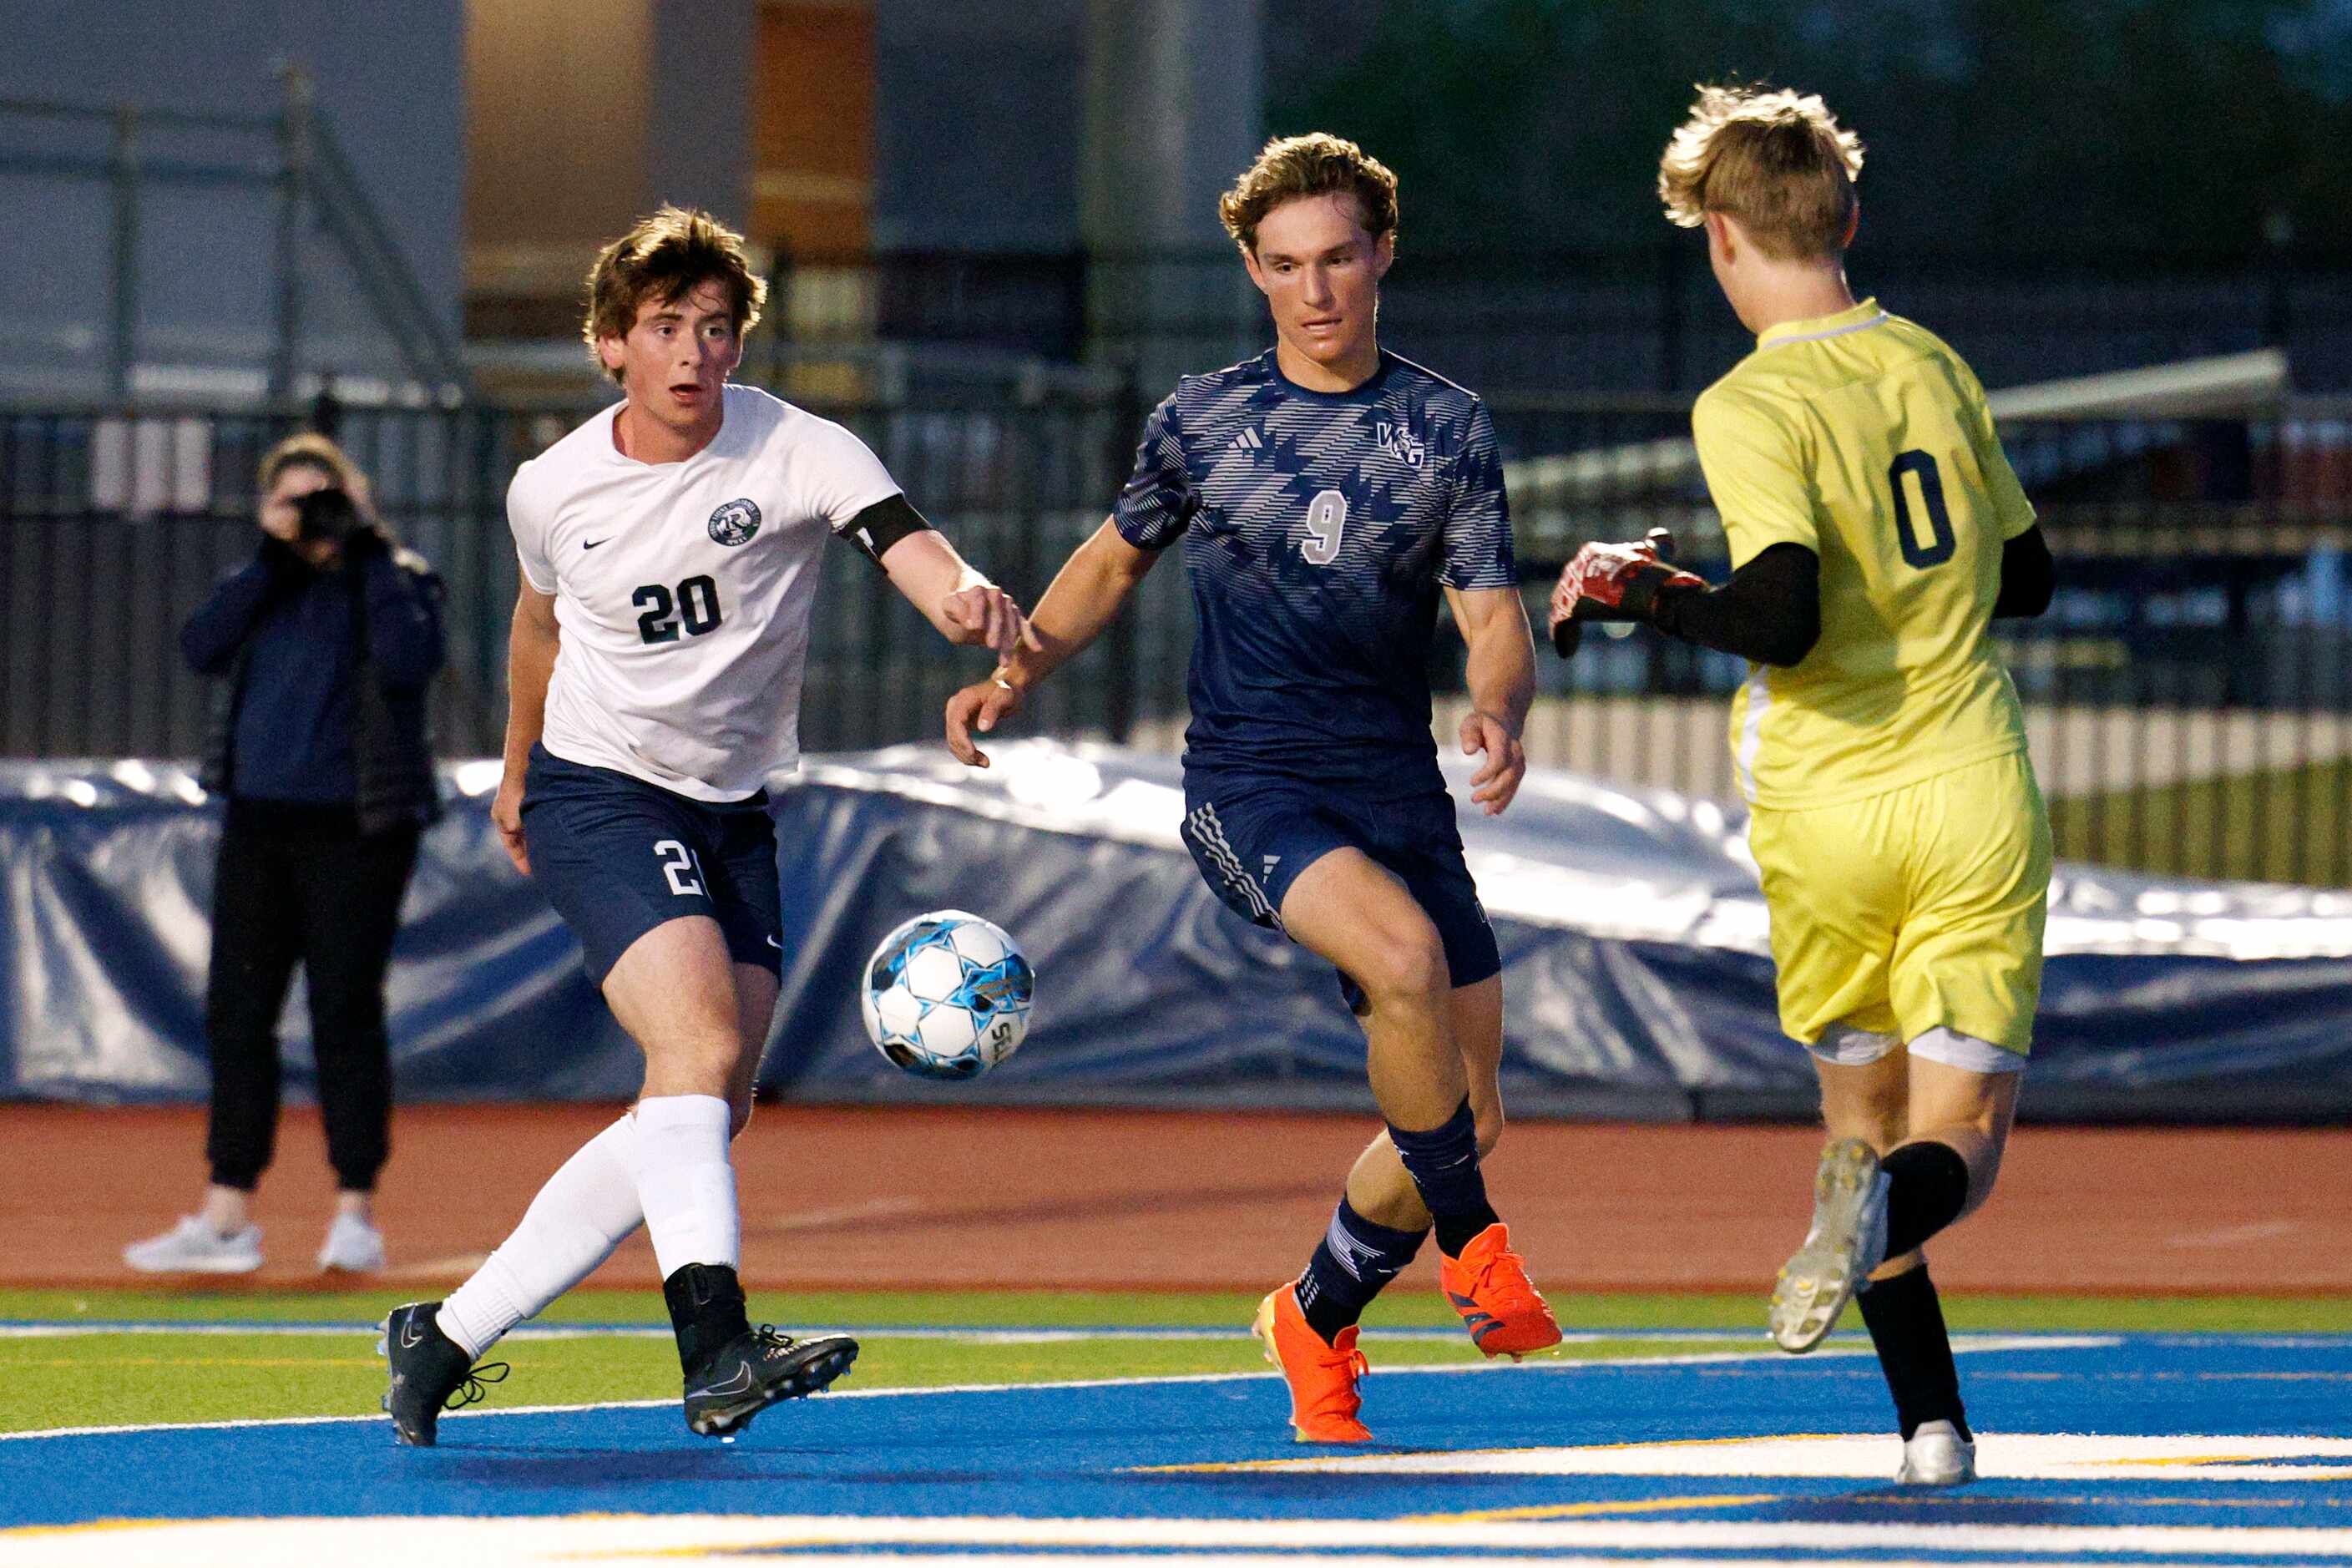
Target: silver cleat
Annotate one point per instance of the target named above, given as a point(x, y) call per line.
point(1937, 1455)
point(1847, 1241)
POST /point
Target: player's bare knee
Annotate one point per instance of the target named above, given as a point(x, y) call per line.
point(1409, 971)
point(692, 1066)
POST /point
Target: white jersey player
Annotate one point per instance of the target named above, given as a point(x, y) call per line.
point(683, 591)
point(669, 556)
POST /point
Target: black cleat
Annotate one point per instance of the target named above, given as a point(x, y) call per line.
point(430, 1373)
point(760, 1368)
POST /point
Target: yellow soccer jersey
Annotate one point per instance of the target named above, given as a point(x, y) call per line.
point(1865, 439)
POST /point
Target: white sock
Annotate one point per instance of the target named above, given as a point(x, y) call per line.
point(586, 1209)
point(685, 1182)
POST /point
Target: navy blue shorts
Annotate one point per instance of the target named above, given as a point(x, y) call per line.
point(618, 857)
point(1252, 836)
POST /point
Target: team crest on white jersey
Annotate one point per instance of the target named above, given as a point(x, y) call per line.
point(1397, 440)
point(735, 522)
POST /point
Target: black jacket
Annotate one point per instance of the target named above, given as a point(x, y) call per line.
point(335, 666)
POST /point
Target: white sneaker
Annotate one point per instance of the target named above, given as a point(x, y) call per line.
point(351, 1244)
point(1847, 1241)
point(192, 1246)
point(1937, 1457)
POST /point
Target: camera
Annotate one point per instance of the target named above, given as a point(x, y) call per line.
point(327, 515)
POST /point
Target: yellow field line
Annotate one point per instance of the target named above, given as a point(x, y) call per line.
point(1582, 1509)
point(1217, 1465)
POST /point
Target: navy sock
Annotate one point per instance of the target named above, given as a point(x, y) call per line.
point(1443, 1163)
point(1351, 1265)
point(1928, 1187)
point(1907, 1323)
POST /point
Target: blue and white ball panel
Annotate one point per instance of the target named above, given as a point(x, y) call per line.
point(947, 994)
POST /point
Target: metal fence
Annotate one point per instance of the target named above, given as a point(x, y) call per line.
point(224, 251)
point(1643, 317)
point(2189, 693)
point(113, 526)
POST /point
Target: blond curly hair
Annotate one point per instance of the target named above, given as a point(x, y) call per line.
point(1774, 160)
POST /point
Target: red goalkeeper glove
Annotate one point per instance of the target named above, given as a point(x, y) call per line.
point(1611, 582)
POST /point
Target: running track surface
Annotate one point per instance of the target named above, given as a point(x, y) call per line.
point(2214, 1449)
point(984, 1197)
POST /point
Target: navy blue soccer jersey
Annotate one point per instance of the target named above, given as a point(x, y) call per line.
point(1318, 529)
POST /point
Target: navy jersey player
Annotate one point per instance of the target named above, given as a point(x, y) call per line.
point(669, 551)
point(1327, 494)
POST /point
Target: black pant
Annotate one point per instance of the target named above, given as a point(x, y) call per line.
point(302, 883)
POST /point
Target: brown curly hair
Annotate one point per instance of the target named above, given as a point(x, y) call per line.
point(1314, 165)
point(663, 258)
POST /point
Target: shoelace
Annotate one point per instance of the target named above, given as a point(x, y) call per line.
point(1343, 1393)
point(772, 1338)
point(1343, 1398)
point(471, 1391)
point(1482, 1281)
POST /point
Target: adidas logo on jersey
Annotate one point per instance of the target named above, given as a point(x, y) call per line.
point(1249, 440)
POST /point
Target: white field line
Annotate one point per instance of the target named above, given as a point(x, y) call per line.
point(541, 1543)
point(608, 1538)
point(980, 1336)
point(1960, 1345)
point(2000, 1456)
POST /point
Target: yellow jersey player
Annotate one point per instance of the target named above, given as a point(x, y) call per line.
point(1875, 531)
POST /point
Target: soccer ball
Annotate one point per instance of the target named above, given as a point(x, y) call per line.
point(947, 995)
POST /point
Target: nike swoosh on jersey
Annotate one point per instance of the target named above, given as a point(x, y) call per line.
point(593, 543)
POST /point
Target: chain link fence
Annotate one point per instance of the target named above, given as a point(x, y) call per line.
point(2190, 692)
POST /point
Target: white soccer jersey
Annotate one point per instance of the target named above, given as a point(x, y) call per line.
point(683, 590)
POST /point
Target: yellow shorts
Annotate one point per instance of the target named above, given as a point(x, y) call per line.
point(1917, 908)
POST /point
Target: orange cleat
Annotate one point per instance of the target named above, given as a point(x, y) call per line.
point(1489, 1284)
point(1322, 1378)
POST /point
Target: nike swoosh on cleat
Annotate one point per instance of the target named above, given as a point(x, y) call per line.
point(411, 1336)
point(739, 1383)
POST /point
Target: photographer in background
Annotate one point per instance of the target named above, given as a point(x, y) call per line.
point(328, 638)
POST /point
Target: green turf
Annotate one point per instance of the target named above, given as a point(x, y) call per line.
point(1064, 1308)
point(106, 1379)
point(2291, 824)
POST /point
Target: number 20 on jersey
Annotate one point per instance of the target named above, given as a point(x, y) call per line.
point(694, 608)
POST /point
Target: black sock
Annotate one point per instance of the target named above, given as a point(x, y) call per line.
point(1355, 1259)
point(1907, 1323)
point(1928, 1187)
point(1443, 1163)
point(705, 1310)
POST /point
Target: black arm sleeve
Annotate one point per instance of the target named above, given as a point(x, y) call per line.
point(882, 525)
point(2028, 576)
point(1770, 611)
